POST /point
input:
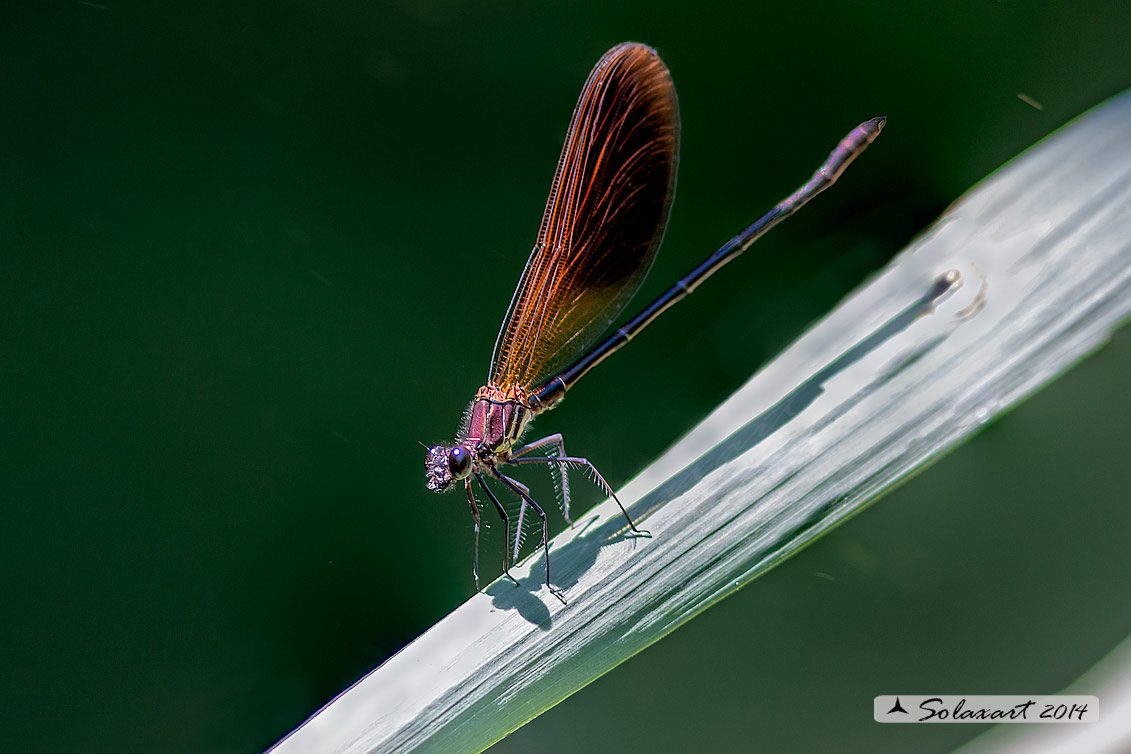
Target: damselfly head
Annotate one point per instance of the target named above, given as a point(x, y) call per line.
point(445, 465)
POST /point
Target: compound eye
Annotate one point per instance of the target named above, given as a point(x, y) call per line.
point(459, 462)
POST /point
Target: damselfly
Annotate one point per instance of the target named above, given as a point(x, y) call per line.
point(603, 223)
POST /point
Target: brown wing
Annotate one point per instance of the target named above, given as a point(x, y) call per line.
point(604, 219)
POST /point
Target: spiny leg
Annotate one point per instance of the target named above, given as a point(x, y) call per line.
point(506, 526)
point(474, 515)
point(545, 525)
point(520, 530)
point(563, 461)
point(556, 441)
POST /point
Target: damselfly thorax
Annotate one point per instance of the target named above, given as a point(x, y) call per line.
point(497, 419)
point(493, 424)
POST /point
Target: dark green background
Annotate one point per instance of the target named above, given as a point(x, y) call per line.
point(251, 254)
